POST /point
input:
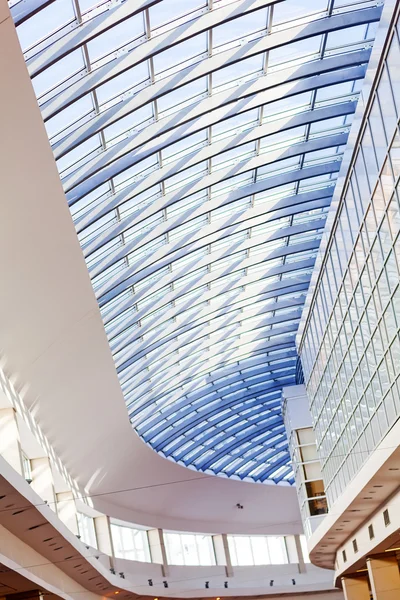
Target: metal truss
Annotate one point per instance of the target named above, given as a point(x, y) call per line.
point(199, 192)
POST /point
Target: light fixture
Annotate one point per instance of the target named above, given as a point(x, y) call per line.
point(165, 584)
point(271, 583)
point(207, 584)
point(225, 584)
point(150, 581)
point(117, 592)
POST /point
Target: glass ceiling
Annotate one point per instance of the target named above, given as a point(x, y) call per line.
point(198, 143)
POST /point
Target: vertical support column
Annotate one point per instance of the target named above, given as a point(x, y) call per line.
point(66, 511)
point(157, 550)
point(299, 552)
point(384, 577)
point(356, 588)
point(42, 480)
point(219, 550)
point(10, 447)
point(104, 538)
point(228, 568)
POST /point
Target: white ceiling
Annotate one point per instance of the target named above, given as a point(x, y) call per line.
point(54, 348)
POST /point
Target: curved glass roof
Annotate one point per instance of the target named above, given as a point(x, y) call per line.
point(198, 143)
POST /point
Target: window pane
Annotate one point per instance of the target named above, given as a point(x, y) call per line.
point(129, 543)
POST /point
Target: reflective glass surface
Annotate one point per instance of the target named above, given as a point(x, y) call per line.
point(198, 144)
point(350, 348)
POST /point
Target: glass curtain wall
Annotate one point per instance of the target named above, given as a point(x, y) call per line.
point(350, 349)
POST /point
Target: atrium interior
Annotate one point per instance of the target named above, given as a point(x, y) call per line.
point(200, 299)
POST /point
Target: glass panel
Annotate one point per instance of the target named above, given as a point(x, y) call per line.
point(130, 543)
point(189, 549)
point(86, 530)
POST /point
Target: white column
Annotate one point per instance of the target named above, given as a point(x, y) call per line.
point(10, 447)
point(157, 549)
point(355, 588)
point(42, 480)
point(228, 568)
point(299, 552)
point(219, 550)
point(66, 511)
point(104, 538)
point(384, 577)
point(103, 534)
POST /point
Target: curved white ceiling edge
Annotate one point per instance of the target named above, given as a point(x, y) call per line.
point(54, 348)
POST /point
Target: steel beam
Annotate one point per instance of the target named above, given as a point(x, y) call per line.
point(249, 346)
point(207, 327)
point(219, 427)
point(225, 104)
point(237, 376)
point(135, 218)
point(253, 453)
point(264, 185)
point(166, 255)
point(142, 420)
point(271, 468)
point(210, 461)
point(277, 420)
point(181, 410)
point(223, 337)
point(260, 355)
point(208, 233)
point(286, 359)
point(197, 417)
point(81, 182)
point(86, 31)
point(102, 75)
point(303, 281)
point(171, 380)
point(201, 331)
point(209, 312)
point(191, 393)
point(89, 30)
point(278, 289)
